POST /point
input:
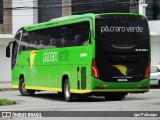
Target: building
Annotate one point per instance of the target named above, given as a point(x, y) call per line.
point(151, 8)
point(16, 14)
point(5, 37)
point(11, 19)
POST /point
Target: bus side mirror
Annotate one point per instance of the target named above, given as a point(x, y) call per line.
point(8, 51)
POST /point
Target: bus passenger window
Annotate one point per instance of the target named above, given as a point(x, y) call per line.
point(64, 41)
point(35, 42)
point(78, 40)
point(22, 48)
point(41, 42)
point(59, 42)
point(86, 43)
point(53, 42)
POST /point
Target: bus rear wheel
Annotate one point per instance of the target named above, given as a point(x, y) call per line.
point(67, 93)
point(23, 91)
point(114, 96)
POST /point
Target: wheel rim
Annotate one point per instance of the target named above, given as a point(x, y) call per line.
point(67, 91)
point(23, 87)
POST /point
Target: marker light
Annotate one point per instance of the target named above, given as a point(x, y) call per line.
point(147, 71)
point(95, 72)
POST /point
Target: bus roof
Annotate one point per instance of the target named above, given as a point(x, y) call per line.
point(135, 14)
point(54, 22)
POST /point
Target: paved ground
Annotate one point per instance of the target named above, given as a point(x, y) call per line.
point(6, 86)
point(52, 101)
point(47, 101)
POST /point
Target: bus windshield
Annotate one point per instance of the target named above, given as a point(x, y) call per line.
point(121, 29)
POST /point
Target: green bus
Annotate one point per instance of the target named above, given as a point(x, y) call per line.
point(91, 54)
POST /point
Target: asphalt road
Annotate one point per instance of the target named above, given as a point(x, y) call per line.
point(48, 101)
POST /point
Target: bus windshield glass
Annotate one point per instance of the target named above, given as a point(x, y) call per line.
point(119, 29)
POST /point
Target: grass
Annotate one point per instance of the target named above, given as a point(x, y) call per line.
point(6, 102)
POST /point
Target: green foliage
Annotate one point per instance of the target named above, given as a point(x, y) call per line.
point(6, 102)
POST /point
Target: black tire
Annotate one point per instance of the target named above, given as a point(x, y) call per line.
point(80, 97)
point(159, 84)
point(23, 91)
point(60, 93)
point(66, 90)
point(114, 96)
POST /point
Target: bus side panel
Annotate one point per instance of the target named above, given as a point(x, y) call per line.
point(20, 69)
point(47, 71)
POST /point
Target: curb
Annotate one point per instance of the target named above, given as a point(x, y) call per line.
point(8, 89)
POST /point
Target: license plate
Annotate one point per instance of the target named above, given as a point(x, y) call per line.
point(122, 80)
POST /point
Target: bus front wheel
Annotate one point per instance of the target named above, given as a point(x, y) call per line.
point(23, 91)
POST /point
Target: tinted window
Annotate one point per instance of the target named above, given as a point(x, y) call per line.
point(15, 49)
point(1, 12)
point(121, 29)
point(76, 34)
point(99, 6)
point(154, 69)
point(153, 9)
point(49, 9)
